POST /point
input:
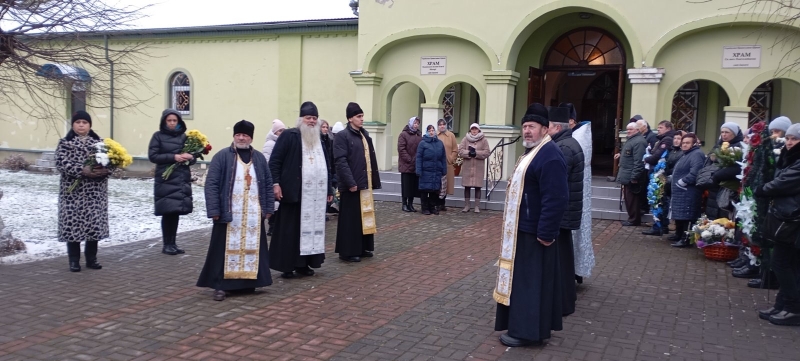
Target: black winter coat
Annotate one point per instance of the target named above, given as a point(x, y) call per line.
point(783, 191)
point(286, 165)
point(407, 144)
point(664, 145)
point(173, 195)
point(327, 145)
point(651, 137)
point(573, 155)
point(219, 184)
point(675, 154)
point(351, 164)
point(686, 197)
point(431, 164)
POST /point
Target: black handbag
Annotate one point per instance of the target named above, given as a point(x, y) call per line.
point(781, 229)
point(705, 177)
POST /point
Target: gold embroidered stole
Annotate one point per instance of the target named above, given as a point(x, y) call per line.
point(368, 225)
point(243, 238)
point(505, 271)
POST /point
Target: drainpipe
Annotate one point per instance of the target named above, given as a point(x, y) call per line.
point(111, 110)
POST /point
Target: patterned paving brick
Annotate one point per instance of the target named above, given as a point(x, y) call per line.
point(425, 296)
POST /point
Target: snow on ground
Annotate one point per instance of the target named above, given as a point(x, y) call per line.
point(29, 208)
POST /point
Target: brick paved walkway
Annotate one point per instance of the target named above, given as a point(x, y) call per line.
point(425, 296)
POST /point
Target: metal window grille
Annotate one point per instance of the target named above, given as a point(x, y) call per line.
point(181, 93)
point(449, 103)
point(760, 103)
point(684, 107)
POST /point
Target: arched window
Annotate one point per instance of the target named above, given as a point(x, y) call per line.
point(585, 47)
point(180, 93)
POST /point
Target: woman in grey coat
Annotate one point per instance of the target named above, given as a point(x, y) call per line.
point(173, 196)
point(686, 197)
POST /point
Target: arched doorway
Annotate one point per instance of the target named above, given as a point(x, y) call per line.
point(586, 67)
point(698, 106)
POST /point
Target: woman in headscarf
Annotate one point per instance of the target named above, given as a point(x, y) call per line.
point(277, 128)
point(686, 197)
point(474, 149)
point(407, 144)
point(431, 167)
point(173, 196)
point(82, 212)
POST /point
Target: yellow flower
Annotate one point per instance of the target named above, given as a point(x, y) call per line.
point(725, 145)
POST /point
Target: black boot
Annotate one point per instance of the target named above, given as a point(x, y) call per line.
point(411, 204)
point(748, 271)
point(169, 249)
point(74, 254)
point(74, 266)
point(683, 243)
point(405, 205)
point(92, 263)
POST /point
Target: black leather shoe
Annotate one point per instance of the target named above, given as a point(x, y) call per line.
point(305, 271)
point(169, 249)
point(737, 260)
point(674, 238)
point(92, 263)
point(754, 283)
point(350, 259)
point(740, 262)
point(630, 224)
point(653, 232)
point(426, 212)
point(785, 318)
point(411, 207)
point(442, 208)
point(747, 272)
point(406, 209)
point(180, 251)
point(579, 279)
point(683, 243)
point(435, 210)
point(764, 314)
point(219, 295)
point(74, 266)
point(366, 254)
point(287, 275)
point(509, 341)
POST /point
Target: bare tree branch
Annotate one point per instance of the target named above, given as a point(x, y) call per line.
point(67, 32)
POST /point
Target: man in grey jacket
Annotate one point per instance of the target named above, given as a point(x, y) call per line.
point(632, 175)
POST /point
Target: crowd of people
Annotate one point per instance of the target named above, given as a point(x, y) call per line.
point(701, 186)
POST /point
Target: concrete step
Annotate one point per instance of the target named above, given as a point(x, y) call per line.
point(46, 163)
point(36, 168)
point(454, 202)
point(48, 156)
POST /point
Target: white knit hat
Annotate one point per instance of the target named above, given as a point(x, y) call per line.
point(337, 127)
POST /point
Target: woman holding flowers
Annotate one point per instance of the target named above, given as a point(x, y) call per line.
point(83, 210)
point(173, 193)
point(686, 197)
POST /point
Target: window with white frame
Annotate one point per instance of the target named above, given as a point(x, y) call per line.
point(180, 93)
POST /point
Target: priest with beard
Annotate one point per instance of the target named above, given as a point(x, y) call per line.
point(528, 290)
point(239, 198)
point(300, 174)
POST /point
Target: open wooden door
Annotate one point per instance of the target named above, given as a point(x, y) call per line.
point(618, 122)
point(535, 86)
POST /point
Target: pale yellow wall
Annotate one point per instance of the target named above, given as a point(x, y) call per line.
point(327, 61)
point(497, 24)
point(18, 129)
point(786, 99)
point(404, 105)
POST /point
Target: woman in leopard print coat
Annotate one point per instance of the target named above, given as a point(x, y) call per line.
point(83, 213)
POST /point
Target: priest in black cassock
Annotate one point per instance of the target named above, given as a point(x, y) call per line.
point(300, 169)
point(238, 198)
point(357, 174)
point(528, 290)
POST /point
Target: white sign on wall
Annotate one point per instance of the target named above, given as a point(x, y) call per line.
point(433, 65)
point(742, 56)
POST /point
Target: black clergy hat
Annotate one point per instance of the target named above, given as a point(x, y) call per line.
point(308, 108)
point(353, 109)
point(244, 127)
point(537, 113)
point(558, 115)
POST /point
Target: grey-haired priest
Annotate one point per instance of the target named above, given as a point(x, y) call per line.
point(528, 291)
point(238, 198)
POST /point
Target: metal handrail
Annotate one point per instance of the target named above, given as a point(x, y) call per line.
point(494, 166)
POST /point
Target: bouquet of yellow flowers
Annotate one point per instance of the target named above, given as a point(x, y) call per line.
point(196, 144)
point(110, 155)
point(708, 232)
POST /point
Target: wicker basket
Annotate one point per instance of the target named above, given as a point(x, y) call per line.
point(721, 252)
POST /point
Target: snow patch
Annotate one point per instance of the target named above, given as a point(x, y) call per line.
point(30, 211)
